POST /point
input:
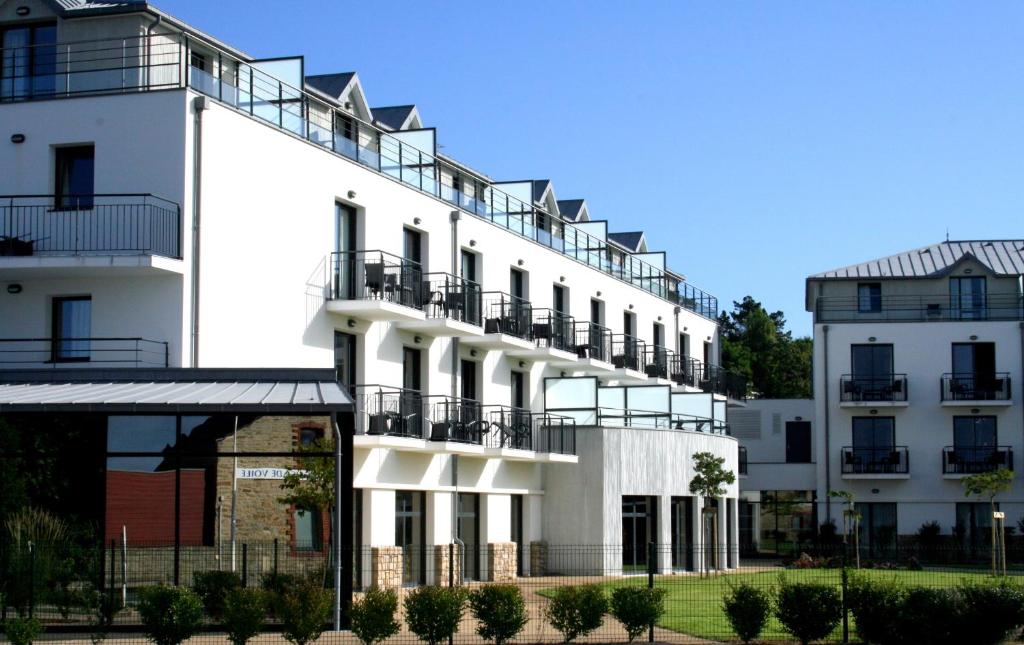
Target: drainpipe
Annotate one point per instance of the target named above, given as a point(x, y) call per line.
point(199, 105)
point(149, 40)
point(675, 315)
point(828, 454)
point(455, 216)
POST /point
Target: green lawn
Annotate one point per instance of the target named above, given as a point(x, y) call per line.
point(694, 605)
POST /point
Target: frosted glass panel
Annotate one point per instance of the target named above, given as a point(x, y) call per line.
point(650, 399)
point(422, 140)
point(612, 397)
point(720, 411)
point(562, 393)
point(697, 404)
point(287, 70)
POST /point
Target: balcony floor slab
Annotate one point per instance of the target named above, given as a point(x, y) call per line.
point(441, 327)
point(960, 403)
point(876, 476)
point(499, 341)
point(874, 404)
point(62, 266)
point(374, 310)
point(545, 354)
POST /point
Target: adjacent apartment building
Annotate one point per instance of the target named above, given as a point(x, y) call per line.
point(525, 378)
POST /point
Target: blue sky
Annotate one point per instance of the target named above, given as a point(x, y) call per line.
point(755, 142)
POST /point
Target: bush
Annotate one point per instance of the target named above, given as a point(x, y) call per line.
point(808, 611)
point(373, 617)
point(637, 608)
point(876, 608)
point(22, 631)
point(213, 588)
point(989, 612)
point(244, 613)
point(303, 610)
point(747, 608)
point(501, 611)
point(433, 613)
point(576, 611)
point(926, 616)
point(104, 608)
point(278, 584)
point(169, 614)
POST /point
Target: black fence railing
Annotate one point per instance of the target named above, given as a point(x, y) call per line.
point(627, 351)
point(553, 329)
point(887, 460)
point(390, 411)
point(917, 308)
point(969, 460)
point(976, 387)
point(376, 275)
point(506, 314)
point(593, 341)
point(721, 381)
point(35, 353)
point(452, 297)
point(89, 224)
point(658, 361)
point(876, 388)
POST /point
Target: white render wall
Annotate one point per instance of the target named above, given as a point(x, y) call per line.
point(766, 456)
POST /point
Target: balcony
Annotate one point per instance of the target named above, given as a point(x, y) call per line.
point(553, 338)
point(658, 363)
point(918, 308)
point(507, 323)
point(39, 232)
point(742, 461)
point(627, 357)
point(890, 462)
point(45, 353)
point(959, 461)
point(719, 380)
point(873, 391)
point(453, 307)
point(593, 346)
point(974, 390)
point(375, 285)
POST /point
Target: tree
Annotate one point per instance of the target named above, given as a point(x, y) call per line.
point(709, 482)
point(756, 345)
point(989, 485)
point(311, 486)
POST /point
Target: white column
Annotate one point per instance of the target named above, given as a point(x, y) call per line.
point(735, 545)
point(697, 520)
point(378, 526)
point(439, 532)
point(663, 538)
point(533, 518)
point(495, 526)
point(723, 535)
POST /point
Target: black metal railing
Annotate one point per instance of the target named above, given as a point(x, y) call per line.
point(35, 353)
point(721, 381)
point(508, 427)
point(553, 329)
point(976, 387)
point(742, 460)
point(456, 419)
point(452, 297)
point(968, 460)
point(89, 224)
point(885, 460)
point(593, 341)
point(684, 370)
point(554, 433)
point(506, 314)
point(376, 275)
point(627, 351)
point(875, 388)
point(658, 361)
point(912, 308)
point(390, 411)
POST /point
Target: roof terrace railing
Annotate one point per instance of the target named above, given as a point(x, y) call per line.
point(166, 61)
point(918, 308)
point(632, 418)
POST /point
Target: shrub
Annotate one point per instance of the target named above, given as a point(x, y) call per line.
point(989, 612)
point(169, 614)
point(501, 611)
point(303, 609)
point(808, 611)
point(213, 588)
point(637, 608)
point(278, 583)
point(926, 616)
point(244, 613)
point(104, 608)
point(747, 608)
point(433, 613)
point(22, 631)
point(876, 608)
point(373, 617)
point(576, 611)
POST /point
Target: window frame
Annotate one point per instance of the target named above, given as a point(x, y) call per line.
point(56, 337)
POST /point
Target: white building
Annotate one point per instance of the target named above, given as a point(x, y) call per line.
point(170, 202)
point(917, 372)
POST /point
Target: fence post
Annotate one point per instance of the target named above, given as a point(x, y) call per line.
point(31, 580)
point(275, 557)
point(113, 556)
point(652, 553)
point(842, 595)
point(245, 565)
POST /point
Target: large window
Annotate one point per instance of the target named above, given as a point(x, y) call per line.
point(967, 297)
point(872, 373)
point(877, 528)
point(973, 526)
point(74, 179)
point(72, 328)
point(410, 534)
point(29, 64)
point(638, 528)
point(869, 297)
point(874, 443)
point(468, 531)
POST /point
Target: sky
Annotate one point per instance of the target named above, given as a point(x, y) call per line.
point(755, 142)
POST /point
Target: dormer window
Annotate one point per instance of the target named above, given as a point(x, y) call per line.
point(869, 297)
point(967, 298)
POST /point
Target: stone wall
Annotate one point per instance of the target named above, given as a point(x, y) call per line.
point(501, 561)
point(538, 558)
point(441, 564)
point(386, 567)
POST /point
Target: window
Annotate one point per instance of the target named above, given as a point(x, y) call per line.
point(307, 530)
point(469, 266)
point(411, 372)
point(659, 335)
point(345, 358)
point(872, 368)
point(309, 436)
point(468, 370)
point(72, 327)
point(877, 528)
point(798, 442)
point(628, 323)
point(684, 345)
point(410, 535)
point(967, 298)
point(468, 531)
point(73, 184)
point(707, 353)
point(412, 248)
point(869, 297)
point(518, 390)
point(558, 302)
point(596, 312)
point(638, 528)
point(973, 526)
point(198, 61)
point(516, 286)
point(29, 63)
point(873, 439)
point(974, 434)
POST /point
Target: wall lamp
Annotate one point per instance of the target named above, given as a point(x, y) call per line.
point(519, 262)
point(14, 288)
point(417, 339)
point(17, 138)
point(351, 194)
point(23, 11)
point(416, 221)
point(472, 352)
point(522, 364)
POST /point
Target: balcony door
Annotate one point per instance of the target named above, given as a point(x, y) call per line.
point(74, 181)
point(975, 443)
point(345, 248)
point(877, 527)
point(874, 441)
point(638, 528)
point(967, 298)
point(345, 359)
point(410, 535)
point(468, 532)
point(29, 62)
point(872, 368)
point(974, 370)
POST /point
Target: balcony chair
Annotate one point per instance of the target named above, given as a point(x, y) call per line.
point(374, 277)
point(379, 424)
point(542, 331)
point(493, 326)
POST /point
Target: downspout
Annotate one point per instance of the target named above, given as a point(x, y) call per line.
point(199, 105)
point(338, 527)
point(455, 216)
point(828, 454)
point(149, 40)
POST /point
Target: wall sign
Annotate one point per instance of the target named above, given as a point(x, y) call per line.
point(264, 473)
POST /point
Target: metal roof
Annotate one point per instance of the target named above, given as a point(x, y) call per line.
point(1001, 257)
point(204, 390)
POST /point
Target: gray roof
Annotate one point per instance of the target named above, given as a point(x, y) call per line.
point(273, 391)
point(570, 208)
point(629, 240)
point(1001, 257)
point(540, 186)
point(393, 116)
point(331, 84)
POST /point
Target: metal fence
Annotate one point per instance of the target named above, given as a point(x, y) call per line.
point(60, 588)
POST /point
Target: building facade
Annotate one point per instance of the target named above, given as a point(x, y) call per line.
point(156, 180)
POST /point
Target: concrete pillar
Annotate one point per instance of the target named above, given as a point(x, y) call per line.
point(735, 545)
point(439, 536)
point(722, 547)
point(697, 522)
point(378, 527)
point(663, 537)
point(495, 531)
point(533, 532)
